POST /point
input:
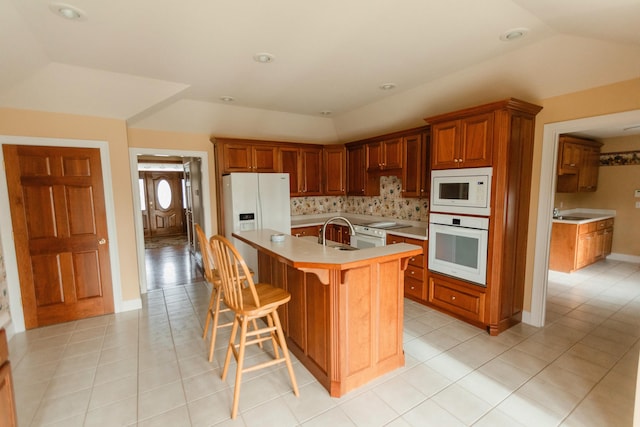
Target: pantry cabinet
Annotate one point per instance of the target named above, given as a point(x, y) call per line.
point(578, 164)
point(462, 143)
point(497, 135)
point(574, 246)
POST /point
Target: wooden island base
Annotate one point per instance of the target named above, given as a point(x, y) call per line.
point(344, 321)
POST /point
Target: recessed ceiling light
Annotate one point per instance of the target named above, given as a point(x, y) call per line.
point(227, 98)
point(513, 34)
point(388, 86)
point(263, 57)
point(67, 11)
point(325, 112)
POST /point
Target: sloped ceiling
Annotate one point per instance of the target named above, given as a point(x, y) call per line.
point(165, 65)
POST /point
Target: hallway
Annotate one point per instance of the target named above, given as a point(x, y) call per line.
point(170, 266)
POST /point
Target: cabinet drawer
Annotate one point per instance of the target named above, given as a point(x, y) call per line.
point(605, 223)
point(457, 299)
point(414, 288)
point(417, 261)
point(589, 227)
point(413, 272)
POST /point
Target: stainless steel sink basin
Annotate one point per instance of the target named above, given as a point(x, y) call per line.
point(345, 248)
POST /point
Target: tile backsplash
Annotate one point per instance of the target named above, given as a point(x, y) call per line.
point(389, 203)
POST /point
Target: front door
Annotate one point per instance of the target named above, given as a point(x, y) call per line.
point(60, 232)
point(164, 195)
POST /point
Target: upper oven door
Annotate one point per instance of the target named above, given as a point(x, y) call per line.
point(465, 191)
point(459, 252)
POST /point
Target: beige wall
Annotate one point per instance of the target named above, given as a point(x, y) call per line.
point(114, 132)
point(144, 138)
point(614, 98)
point(616, 185)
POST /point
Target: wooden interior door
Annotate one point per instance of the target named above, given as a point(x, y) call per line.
point(164, 203)
point(60, 232)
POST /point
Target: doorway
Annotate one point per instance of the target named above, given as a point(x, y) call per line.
point(172, 196)
point(546, 197)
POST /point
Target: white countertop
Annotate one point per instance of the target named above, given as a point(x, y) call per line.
point(415, 229)
point(308, 253)
point(583, 216)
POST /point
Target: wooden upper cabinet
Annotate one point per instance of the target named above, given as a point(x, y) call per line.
point(335, 163)
point(465, 142)
point(578, 164)
point(304, 166)
point(356, 172)
point(384, 155)
point(249, 158)
point(415, 173)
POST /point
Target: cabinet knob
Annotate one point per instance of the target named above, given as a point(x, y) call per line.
point(453, 298)
point(413, 272)
point(413, 288)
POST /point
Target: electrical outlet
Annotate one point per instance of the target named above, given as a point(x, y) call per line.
point(637, 205)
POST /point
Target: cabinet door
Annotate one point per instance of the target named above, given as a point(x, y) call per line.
point(608, 241)
point(289, 164)
point(374, 157)
point(445, 142)
point(585, 249)
point(335, 171)
point(392, 154)
point(415, 180)
point(311, 171)
point(589, 168)
point(477, 141)
point(237, 158)
point(265, 158)
point(569, 157)
point(355, 171)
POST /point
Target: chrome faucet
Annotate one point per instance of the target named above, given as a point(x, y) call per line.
point(321, 237)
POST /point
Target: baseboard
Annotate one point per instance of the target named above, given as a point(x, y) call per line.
point(624, 257)
point(130, 305)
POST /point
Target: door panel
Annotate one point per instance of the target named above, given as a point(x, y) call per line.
point(164, 209)
point(60, 232)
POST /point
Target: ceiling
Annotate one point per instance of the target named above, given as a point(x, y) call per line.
point(167, 64)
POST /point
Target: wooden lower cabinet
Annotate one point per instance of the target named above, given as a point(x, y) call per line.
point(7, 401)
point(415, 276)
point(345, 326)
point(459, 298)
point(574, 246)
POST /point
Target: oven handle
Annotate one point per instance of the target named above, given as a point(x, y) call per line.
point(457, 226)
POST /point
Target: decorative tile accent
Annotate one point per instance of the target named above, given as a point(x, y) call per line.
point(620, 158)
point(389, 204)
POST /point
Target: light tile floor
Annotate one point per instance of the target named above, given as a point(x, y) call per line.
point(149, 368)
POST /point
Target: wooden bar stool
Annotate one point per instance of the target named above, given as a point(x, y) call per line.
point(249, 302)
point(211, 276)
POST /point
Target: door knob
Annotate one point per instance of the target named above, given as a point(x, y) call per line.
point(102, 241)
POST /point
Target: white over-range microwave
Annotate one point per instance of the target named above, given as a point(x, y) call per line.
point(461, 191)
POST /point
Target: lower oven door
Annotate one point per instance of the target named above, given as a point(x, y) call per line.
point(459, 252)
point(362, 241)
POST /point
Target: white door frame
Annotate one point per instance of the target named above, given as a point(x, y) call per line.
point(6, 225)
point(138, 226)
point(546, 197)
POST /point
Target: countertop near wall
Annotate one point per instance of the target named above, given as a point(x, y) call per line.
point(413, 229)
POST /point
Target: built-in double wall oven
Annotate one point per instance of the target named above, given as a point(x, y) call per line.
point(459, 223)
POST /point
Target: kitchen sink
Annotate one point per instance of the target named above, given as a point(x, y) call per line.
point(572, 217)
point(345, 248)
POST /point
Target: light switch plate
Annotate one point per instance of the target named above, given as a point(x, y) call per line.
point(637, 193)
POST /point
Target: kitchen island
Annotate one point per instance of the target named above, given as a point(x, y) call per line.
point(345, 318)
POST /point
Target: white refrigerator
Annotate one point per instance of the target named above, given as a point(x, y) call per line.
point(254, 201)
